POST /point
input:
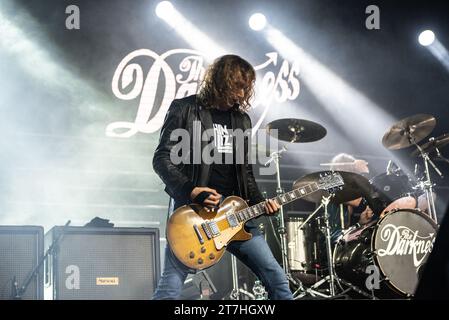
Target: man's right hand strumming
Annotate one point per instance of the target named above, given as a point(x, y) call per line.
point(211, 201)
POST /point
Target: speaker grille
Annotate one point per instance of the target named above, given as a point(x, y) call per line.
point(127, 259)
point(20, 250)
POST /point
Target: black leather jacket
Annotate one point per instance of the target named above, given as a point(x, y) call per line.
point(181, 179)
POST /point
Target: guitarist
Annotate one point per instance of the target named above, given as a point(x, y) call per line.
point(221, 105)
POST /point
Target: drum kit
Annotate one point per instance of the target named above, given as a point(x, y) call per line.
point(381, 258)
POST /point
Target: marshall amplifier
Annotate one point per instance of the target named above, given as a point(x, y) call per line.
point(103, 263)
point(21, 248)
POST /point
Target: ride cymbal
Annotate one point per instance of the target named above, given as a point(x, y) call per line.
point(408, 131)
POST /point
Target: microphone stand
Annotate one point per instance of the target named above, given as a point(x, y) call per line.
point(18, 291)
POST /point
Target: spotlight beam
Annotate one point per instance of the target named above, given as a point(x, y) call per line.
point(37, 60)
point(358, 116)
point(440, 52)
point(189, 32)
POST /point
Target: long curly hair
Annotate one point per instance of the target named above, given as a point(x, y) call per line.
point(228, 81)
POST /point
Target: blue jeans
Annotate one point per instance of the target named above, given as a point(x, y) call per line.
point(254, 253)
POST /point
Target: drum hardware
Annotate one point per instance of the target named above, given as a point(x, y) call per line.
point(440, 157)
point(408, 132)
point(292, 131)
point(355, 186)
point(332, 278)
point(259, 291)
point(427, 184)
point(433, 145)
point(236, 291)
point(274, 157)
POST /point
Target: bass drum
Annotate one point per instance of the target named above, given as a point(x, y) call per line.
point(395, 249)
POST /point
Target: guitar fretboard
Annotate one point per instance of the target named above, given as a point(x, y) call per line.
point(259, 209)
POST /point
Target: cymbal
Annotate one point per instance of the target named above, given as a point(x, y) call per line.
point(296, 130)
point(408, 131)
point(433, 144)
point(355, 186)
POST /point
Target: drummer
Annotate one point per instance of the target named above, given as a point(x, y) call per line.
point(344, 215)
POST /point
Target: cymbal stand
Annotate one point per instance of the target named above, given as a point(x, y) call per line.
point(440, 156)
point(427, 183)
point(236, 291)
point(274, 157)
point(301, 289)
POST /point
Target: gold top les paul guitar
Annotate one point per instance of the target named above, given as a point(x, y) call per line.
point(198, 238)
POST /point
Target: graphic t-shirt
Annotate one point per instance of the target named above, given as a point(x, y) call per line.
point(223, 175)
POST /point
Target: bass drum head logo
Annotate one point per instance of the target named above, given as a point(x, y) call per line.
point(403, 242)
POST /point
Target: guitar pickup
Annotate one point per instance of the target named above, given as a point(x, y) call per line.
point(211, 229)
point(214, 228)
point(232, 220)
point(206, 230)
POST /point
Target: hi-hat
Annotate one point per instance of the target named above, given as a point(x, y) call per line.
point(408, 131)
point(355, 186)
point(296, 130)
point(433, 144)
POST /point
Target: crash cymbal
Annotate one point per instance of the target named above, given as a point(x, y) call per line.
point(354, 187)
point(408, 131)
point(433, 144)
point(296, 130)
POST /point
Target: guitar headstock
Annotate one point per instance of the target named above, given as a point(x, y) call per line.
point(331, 181)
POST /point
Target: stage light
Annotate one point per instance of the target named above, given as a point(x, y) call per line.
point(257, 21)
point(336, 95)
point(426, 38)
point(164, 9)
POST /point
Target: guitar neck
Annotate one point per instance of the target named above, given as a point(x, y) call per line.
point(259, 209)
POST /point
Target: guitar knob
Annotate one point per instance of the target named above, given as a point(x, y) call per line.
point(203, 249)
point(191, 255)
point(200, 261)
point(212, 256)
